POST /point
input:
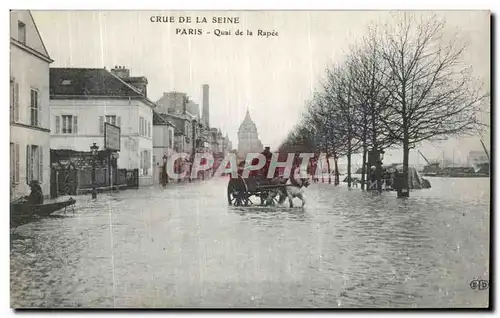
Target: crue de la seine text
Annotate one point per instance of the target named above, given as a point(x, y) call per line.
point(218, 32)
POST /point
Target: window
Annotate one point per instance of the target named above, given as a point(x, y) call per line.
point(69, 124)
point(21, 29)
point(35, 108)
point(14, 101)
point(111, 119)
point(14, 163)
point(144, 127)
point(145, 163)
point(34, 163)
point(170, 138)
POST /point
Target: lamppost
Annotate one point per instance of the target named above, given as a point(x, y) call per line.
point(94, 149)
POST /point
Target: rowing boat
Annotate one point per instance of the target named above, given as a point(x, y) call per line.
point(22, 213)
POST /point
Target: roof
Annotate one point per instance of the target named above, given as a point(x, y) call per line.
point(32, 44)
point(176, 121)
point(45, 52)
point(158, 119)
point(90, 82)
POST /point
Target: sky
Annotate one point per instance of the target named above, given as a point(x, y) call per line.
point(271, 76)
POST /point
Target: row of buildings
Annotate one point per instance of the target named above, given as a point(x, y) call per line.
point(67, 108)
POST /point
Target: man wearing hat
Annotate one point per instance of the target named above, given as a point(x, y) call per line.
point(36, 195)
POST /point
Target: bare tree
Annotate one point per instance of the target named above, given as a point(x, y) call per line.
point(432, 95)
point(367, 70)
point(327, 118)
point(339, 97)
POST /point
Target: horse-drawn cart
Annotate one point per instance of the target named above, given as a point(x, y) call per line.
point(240, 190)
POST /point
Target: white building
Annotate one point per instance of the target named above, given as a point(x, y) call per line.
point(163, 138)
point(29, 105)
point(83, 99)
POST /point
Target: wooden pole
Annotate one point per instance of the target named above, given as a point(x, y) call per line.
point(485, 151)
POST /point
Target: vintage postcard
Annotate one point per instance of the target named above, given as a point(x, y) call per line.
point(250, 159)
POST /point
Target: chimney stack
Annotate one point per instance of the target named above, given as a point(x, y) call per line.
point(121, 72)
point(206, 106)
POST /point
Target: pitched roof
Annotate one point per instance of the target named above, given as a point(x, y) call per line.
point(90, 82)
point(178, 122)
point(158, 119)
point(44, 52)
point(33, 42)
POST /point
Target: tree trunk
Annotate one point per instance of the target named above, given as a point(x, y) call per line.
point(329, 171)
point(349, 169)
point(337, 179)
point(363, 167)
point(406, 157)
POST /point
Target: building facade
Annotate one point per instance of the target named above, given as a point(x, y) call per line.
point(82, 100)
point(29, 106)
point(248, 137)
point(206, 105)
point(163, 138)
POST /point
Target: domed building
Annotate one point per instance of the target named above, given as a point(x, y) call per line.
point(248, 137)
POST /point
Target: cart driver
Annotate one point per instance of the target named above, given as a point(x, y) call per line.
point(268, 155)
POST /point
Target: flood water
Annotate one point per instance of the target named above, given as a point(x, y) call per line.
point(184, 247)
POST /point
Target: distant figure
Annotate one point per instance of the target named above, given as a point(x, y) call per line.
point(36, 195)
point(164, 176)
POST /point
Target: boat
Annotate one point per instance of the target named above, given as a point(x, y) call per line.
point(21, 212)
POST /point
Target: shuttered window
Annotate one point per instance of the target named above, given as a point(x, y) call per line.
point(14, 101)
point(16, 179)
point(101, 125)
point(34, 107)
point(29, 164)
point(40, 164)
point(69, 124)
point(12, 162)
point(75, 124)
point(58, 124)
point(34, 163)
point(16, 109)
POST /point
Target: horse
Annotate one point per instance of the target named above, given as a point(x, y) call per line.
point(294, 190)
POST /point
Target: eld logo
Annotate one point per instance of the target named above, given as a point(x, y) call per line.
point(479, 284)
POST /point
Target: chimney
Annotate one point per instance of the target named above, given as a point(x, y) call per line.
point(206, 106)
point(121, 72)
point(185, 100)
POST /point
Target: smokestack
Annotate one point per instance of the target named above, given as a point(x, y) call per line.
point(206, 107)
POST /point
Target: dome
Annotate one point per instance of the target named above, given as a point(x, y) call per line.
point(247, 125)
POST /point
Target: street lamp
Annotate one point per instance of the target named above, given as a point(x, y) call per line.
point(94, 150)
